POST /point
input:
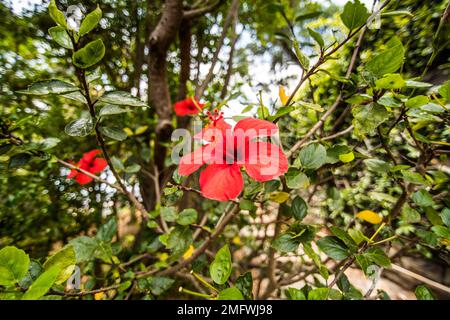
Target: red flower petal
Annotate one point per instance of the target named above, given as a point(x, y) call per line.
point(221, 182)
point(192, 161)
point(265, 161)
point(98, 165)
point(83, 179)
point(186, 107)
point(88, 157)
point(255, 128)
point(73, 173)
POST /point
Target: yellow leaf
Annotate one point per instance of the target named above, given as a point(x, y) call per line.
point(141, 130)
point(99, 295)
point(283, 97)
point(128, 131)
point(440, 142)
point(445, 242)
point(237, 240)
point(279, 197)
point(370, 216)
point(163, 257)
point(347, 157)
point(188, 252)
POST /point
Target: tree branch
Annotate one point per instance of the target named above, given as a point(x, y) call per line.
point(230, 19)
point(197, 12)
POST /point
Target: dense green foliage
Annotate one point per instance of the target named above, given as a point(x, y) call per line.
point(362, 106)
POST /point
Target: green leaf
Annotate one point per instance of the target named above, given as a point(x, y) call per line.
point(441, 231)
point(107, 231)
point(444, 91)
point(428, 237)
point(121, 98)
point(423, 293)
point(42, 284)
point(114, 133)
point(76, 96)
point(281, 112)
point(294, 294)
point(409, 215)
point(104, 251)
point(414, 177)
point(359, 98)
point(286, 243)
point(64, 260)
point(91, 21)
point(368, 117)
point(416, 102)
point(301, 57)
point(445, 215)
point(357, 236)
point(299, 208)
point(179, 240)
point(390, 101)
point(417, 84)
point(89, 55)
point(433, 216)
point(423, 198)
point(296, 179)
point(270, 186)
point(111, 109)
point(124, 286)
point(19, 160)
point(57, 15)
point(232, 293)
point(84, 248)
point(377, 256)
point(378, 166)
point(324, 294)
point(355, 14)
point(317, 37)
point(187, 217)
point(307, 16)
point(49, 87)
point(333, 247)
point(245, 285)
point(47, 144)
point(315, 257)
point(245, 204)
point(34, 270)
point(59, 34)
point(390, 81)
point(169, 214)
point(309, 105)
point(80, 128)
point(313, 156)
point(362, 261)
point(134, 168)
point(220, 268)
point(389, 60)
point(335, 152)
point(14, 265)
point(344, 237)
point(158, 285)
point(117, 163)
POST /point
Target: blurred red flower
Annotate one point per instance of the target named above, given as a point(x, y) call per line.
point(90, 163)
point(230, 150)
point(188, 106)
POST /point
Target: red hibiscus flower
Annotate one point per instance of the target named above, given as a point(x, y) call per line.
point(230, 150)
point(187, 106)
point(90, 163)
